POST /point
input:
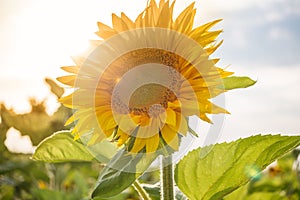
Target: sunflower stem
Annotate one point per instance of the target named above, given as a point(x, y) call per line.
point(167, 182)
point(140, 190)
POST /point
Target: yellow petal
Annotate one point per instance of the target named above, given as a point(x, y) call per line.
point(138, 145)
point(125, 123)
point(216, 60)
point(181, 124)
point(139, 21)
point(213, 48)
point(70, 120)
point(161, 4)
point(204, 118)
point(71, 69)
point(174, 104)
point(149, 20)
point(225, 73)
point(152, 143)
point(105, 31)
point(185, 20)
point(189, 107)
point(123, 137)
point(106, 121)
point(119, 24)
point(154, 11)
point(78, 99)
point(207, 38)
point(128, 21)
point(108, 132)
point(170, 136)
point(208, 107)
point(171, 117)
point(67, 80)
point(150, 129)
point(164, 17)
point(171, 12)
point(202, 29)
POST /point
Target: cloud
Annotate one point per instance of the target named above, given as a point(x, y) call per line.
point(278, 33)
point(263, 34)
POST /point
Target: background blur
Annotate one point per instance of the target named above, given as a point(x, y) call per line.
point(261, 40)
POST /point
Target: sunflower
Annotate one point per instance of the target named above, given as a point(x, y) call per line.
point(141, 82)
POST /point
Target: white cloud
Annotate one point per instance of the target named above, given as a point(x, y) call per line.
point(274, 16)
point(279, 33)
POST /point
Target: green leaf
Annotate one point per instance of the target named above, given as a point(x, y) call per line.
point(235, 82)
point(123, 169)
point(215, 171)
point(61, 147)
point(102, 151)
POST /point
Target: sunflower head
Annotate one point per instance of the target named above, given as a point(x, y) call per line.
point(141, 82)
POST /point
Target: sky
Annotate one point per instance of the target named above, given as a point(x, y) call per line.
point(261, 40)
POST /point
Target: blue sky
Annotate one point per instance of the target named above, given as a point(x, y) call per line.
point(261, 39)
point(265, 35)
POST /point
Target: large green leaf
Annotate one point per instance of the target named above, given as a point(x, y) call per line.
point(213, 172)
point(61, 147)
point(123, 169)
point(235, 82)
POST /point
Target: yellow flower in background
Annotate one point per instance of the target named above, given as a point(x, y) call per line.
point(140, 84)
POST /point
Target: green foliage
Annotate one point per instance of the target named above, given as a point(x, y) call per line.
point(37, 124)
point(222, 171)
point(235, 82)
point(123, 169)
point(3, 130)
point(61, 147)
point(279, 181)
point(213, 172)
point(22, 178)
